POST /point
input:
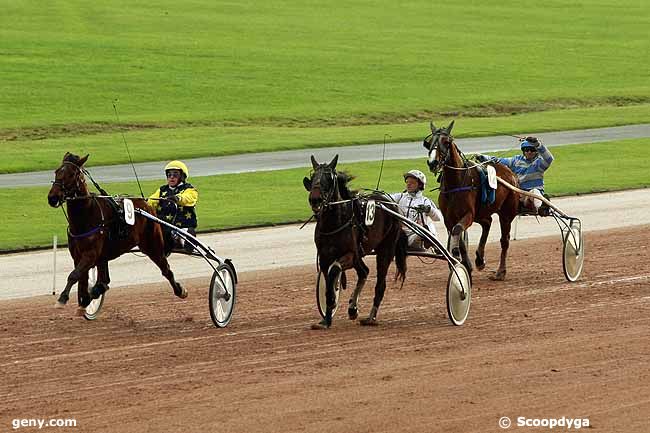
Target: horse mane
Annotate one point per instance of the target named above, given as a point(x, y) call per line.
point(343, 178)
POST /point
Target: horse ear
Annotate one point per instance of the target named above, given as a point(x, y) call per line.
point(433, 127)
point(334, 161)
point(307, 182)
point(83, 160)
point(450, 127)
point(313, 162)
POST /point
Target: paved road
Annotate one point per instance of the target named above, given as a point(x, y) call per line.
point(300, 158)
point(32, 274)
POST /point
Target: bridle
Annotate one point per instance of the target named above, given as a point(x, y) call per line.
point(328, 173)
point(325, 172)
point(71, 192)
point(435, 144)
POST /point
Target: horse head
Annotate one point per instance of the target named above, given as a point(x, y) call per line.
point(69, 180)
point(323, 184)
point(439, 144)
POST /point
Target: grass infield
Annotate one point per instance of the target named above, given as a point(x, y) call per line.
point(278, 197)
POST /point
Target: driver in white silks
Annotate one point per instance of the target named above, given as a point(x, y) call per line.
point(416, 207)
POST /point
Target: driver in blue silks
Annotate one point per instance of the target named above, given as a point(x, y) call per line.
point(529, 167)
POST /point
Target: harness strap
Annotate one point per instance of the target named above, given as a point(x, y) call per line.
point(83, 235)
point(459, 189)
point(344, 226)
point(101, 225)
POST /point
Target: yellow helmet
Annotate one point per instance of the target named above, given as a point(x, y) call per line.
point(178, 165)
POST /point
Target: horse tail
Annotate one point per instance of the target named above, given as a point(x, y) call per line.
point(400, 256)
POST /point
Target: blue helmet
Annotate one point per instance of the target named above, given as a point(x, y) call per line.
point(527, 144)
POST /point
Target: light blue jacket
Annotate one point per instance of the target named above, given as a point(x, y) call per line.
point(530, 173)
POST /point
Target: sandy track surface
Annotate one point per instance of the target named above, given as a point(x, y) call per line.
point(534, 346)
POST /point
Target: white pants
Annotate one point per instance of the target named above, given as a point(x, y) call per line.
point(415, 242)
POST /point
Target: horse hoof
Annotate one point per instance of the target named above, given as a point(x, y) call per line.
point(183, 293)
point(84, 303)
point(320, 325)
point(353, 313)
point(499, 276)
point(368, 322)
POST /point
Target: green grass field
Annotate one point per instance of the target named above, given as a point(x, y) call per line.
point(267, 198)
point(168, 144)
point(209, 78)
point(206, 78)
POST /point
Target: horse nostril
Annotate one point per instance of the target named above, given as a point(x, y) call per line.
point(315, 203)
point(53, 200)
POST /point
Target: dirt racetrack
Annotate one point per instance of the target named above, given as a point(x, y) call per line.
point(534, 346)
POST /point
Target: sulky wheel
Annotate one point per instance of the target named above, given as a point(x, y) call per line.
point(223, 290)
point(321, 302)
point(92, 310)
point(573, 251)
point(459, 294)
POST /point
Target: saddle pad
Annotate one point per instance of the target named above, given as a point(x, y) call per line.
point(492, 176)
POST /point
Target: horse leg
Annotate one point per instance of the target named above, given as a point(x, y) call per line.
point(464, 253)
point(362, 276)
point(161, 261)
point(83, 297)
point(333, 271)
point(480, 251)
point(505, 244)
point(458, 247)
point(462, 225)
point(80, 271)
point(384, 258)
point(103, 278)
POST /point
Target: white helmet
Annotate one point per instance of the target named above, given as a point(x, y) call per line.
point(418, 175)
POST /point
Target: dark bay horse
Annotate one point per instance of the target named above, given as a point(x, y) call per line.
point(342, 238)
point(460, 198)
point(92, 237)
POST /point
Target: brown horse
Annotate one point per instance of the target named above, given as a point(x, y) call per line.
point(460, 198)
point(342, 238)
point(93, 235)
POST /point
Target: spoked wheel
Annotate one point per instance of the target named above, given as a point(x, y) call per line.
point(321, 300)
point(223, 290)
point(459, 294)
point(92, 310)
point(573, 251)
